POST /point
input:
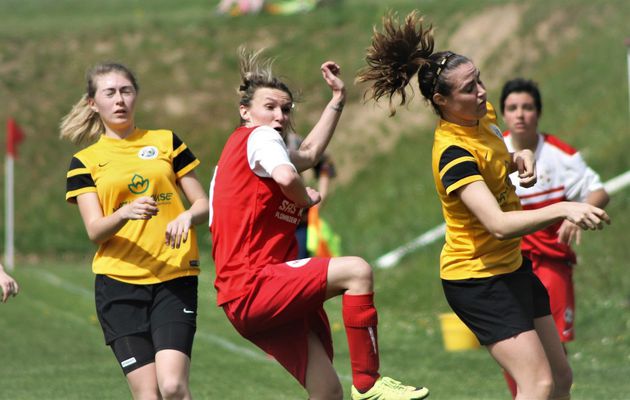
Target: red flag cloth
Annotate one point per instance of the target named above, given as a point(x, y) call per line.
point(14, 137)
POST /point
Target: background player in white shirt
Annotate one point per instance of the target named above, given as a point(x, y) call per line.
point(562, 176)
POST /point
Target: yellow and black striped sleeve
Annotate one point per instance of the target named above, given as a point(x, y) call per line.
point(184, 160)
point(78, 180)
point(458, 168)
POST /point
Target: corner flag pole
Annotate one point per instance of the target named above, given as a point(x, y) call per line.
point(14, 137)
point(8, 212)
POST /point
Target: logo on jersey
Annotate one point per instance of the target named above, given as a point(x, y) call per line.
point(138, 184)
point(148, 153)
point(288, 212)
point(298, 263)
point(568, 315)
point(495, 129)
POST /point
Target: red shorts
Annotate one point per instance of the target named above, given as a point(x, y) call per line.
point(284, 304)
point(557, 276)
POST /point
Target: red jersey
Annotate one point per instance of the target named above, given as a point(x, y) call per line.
point(252, 222)
point(562, 175)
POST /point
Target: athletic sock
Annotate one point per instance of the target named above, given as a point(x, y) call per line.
point(510, 382)
point(360, 319)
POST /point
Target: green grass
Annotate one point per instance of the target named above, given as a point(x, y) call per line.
point(52, 345)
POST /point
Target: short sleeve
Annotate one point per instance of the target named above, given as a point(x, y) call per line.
point(266, 150)
point(184, 160)
point(457, 168)
point(78, 180)
point(580, 179)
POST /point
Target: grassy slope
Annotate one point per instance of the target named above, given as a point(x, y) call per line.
point(184, 55)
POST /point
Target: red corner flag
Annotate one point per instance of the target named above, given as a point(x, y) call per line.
point(14, 137)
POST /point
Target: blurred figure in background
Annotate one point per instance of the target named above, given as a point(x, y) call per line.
point(272, 298)
point(309, 233)
point(240, 7)
point(562, 175)
point(127, 188)
point(8, 285)
point(486, 280)
point(321, 240)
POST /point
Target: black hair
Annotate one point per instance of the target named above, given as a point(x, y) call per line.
point(521, 85)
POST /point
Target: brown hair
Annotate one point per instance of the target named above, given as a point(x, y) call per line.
point(82, 124)
point(257, 74)
point(400, 52)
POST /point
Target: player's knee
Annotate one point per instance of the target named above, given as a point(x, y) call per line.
point(361, 272)
point(173, 388)
point(544, 386)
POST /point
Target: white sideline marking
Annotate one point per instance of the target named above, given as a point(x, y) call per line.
point(617, 183)
point(208, 337)
point(75, 289)
point(234, 348)
point(392, 258)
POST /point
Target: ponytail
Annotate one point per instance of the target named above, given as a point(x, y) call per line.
point(398, 53)
point(81, 125)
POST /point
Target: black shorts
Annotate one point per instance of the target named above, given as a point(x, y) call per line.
point(501, 306)
point(139, 320)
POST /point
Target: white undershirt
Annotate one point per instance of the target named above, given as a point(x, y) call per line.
point(266, 150)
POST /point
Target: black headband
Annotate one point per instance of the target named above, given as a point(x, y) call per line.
point(440, 68)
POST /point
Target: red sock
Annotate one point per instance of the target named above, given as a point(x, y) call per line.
point(360, 319)
point(510, 382)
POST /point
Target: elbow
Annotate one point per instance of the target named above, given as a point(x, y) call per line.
point(285, 177)
point(501, 236)
point(499, 232)
point(96, 239)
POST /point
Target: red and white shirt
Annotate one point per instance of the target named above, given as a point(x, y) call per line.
point(252, 222)
point(562, 176)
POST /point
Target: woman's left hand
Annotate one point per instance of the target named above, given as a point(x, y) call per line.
point(177, 230)
point(526, 166)
point(8, 286)
point(569, 232)
point(330, 72)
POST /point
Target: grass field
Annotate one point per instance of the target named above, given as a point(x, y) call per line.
point(51, 345)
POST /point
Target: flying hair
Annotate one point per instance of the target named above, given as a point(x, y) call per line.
point(395, 56)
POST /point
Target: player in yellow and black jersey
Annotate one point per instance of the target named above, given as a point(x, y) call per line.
point(126, 186)
point(485, 280)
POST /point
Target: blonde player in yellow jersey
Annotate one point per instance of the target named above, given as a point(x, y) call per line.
point(485, 279)
point(126, 186)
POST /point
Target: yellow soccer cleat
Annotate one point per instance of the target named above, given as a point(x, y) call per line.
point(388, 389)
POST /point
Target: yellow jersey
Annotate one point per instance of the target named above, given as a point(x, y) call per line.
point(146, 163)
point(462, 155)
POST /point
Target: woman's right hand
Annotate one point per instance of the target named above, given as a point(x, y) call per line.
point(141, 208)
point(586, 216)
point(313, 195)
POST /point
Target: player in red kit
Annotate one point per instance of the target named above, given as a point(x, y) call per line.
point(256, 200)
